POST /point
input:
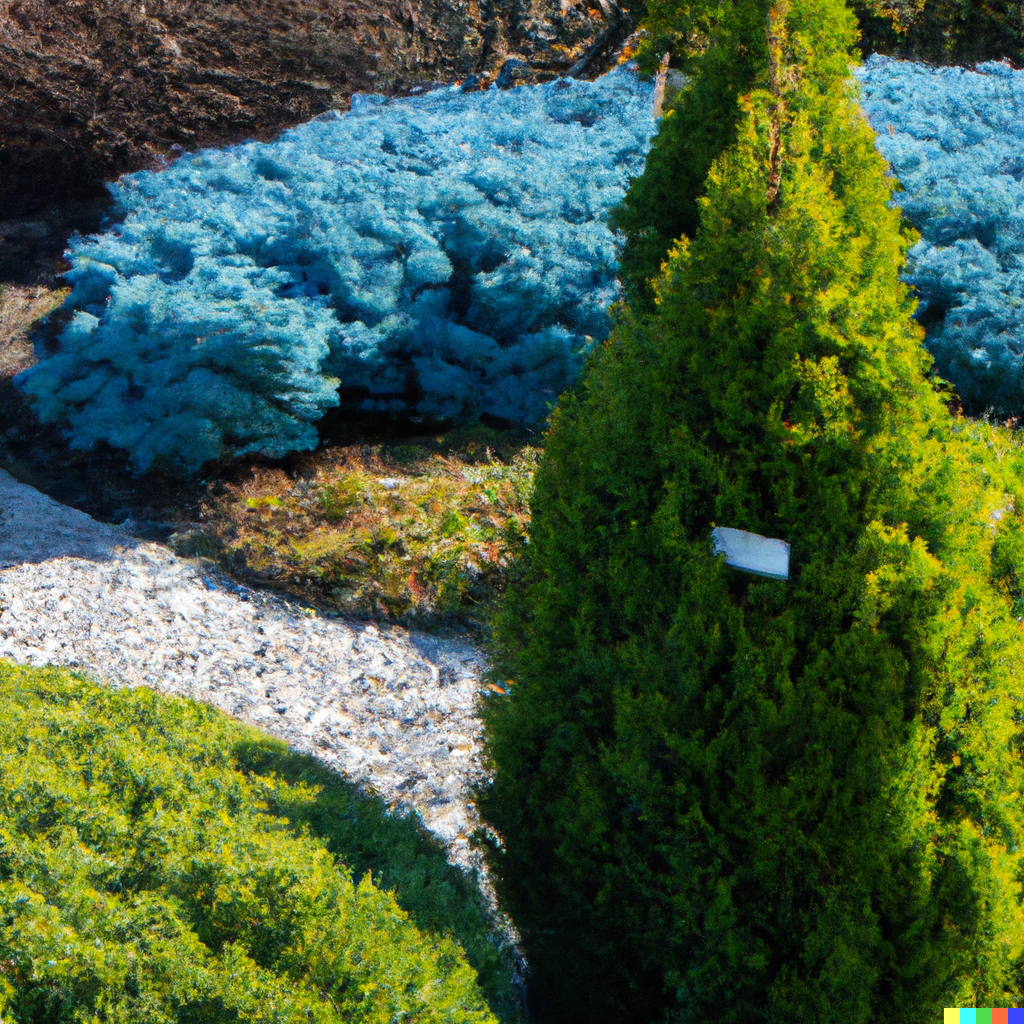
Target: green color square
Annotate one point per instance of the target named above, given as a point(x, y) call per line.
point(983, 1016)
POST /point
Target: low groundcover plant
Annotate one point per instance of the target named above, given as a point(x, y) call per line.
point(421, 531)
point(443, 257)
point(152, 869)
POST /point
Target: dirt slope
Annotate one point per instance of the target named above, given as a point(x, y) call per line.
point(92, 88)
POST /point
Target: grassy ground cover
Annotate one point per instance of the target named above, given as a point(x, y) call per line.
point(419, 530)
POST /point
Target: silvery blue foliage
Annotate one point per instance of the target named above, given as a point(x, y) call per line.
point(955, 140)
point(444, 256)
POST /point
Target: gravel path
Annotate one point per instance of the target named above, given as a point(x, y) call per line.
point(389, 708)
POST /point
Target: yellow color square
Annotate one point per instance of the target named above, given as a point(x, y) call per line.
point(950, 1016)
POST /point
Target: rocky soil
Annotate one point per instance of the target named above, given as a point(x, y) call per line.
point(394, 710)
point(20, 307)
point(93, 88)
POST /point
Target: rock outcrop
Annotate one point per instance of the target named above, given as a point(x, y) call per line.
point(92, 88)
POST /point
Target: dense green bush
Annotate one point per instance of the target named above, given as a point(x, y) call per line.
point(725, 798)
point(716, 43)
point(162, 863)
point(720, 47)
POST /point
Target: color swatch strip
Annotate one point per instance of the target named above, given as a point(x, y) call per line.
point(987, 1015)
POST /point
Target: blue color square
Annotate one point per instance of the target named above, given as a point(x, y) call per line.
point(1015, 1016)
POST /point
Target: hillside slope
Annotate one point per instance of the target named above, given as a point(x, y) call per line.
point(92, 89)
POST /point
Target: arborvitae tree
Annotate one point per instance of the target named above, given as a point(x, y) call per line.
point(712, 43)
point(717, 45)
point(730, 798)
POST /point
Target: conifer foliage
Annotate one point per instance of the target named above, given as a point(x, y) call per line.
point(955, 140)
point(443, 256)
point(724, 798)
point(152, 870)
point(718, 45)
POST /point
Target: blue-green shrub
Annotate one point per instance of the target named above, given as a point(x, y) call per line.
point(955, 140)
point(443, 256)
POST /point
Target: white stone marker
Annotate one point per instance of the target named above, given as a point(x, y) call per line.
point(751, 552)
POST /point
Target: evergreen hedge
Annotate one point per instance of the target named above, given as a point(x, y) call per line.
point(724, 798)
point(719, 47)
point(156, 866)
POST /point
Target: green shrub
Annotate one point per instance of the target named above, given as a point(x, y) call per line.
point(154, 867)
point(719, 46)
point(725, 798)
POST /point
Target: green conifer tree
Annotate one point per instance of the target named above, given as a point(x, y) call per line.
point(715, 43)
point(718, 46)
point(730, 798)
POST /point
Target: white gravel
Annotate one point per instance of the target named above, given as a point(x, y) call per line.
point(391, 709)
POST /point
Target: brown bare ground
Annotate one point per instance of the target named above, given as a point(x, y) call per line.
point(20, 307)
point(93, 88)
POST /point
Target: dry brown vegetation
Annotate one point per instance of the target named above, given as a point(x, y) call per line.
point(20, 307)
point(420, 531)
